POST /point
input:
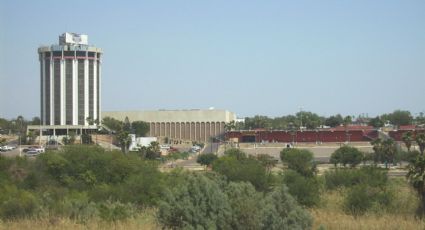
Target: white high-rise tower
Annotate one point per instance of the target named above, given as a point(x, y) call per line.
point(70, 81)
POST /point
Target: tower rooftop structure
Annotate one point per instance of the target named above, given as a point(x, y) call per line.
point(71, 42)
point(73, 39)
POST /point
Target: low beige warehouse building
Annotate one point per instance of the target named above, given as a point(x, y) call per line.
point(194, 125)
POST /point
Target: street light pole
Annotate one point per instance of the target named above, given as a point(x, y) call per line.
point(20, 148)
point(301, 117)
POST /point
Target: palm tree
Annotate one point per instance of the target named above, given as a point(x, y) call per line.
point(377, 149)
point(416, 176)
point(420, 140)
point(407, 138)
point(389, 150)
point(230, 126)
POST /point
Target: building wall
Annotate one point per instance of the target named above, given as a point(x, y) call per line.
point(69, 88)
point(194, 125)
point(302, 136)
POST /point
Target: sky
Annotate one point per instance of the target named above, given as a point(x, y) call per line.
point(270, 58)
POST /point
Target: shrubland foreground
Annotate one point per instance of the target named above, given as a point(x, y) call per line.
point(86, 187)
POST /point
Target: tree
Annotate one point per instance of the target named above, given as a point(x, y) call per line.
point(257, 122)
point(347, 121)
point(407, 138)
point(126, 125)
point(31, 137)
point(112, 123)
point(86, 139)
point(196, 203)
point(90, 120)
point(347, 155)
point(124, 140)
point(206, 159)
point(300, 160)
point(230, 126)
point(377, 150)
point(308, 119)
point(376, 122)
point(416, 176)
point(334, 121)
point(420, 119)
point(151, 152)
point(420, 140)
point(400, 117)
point(140, 128)
point(70, 139)
point(35, 121)
point(20, 124)
point(384, 151)
point(389, 149)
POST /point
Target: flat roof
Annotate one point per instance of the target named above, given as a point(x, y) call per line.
point(190, 115)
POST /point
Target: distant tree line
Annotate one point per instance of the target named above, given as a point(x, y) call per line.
point(311, 120)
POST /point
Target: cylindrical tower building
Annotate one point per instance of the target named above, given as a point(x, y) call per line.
point(70, 81)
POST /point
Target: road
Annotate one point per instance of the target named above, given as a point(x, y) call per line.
point(191, 162)
point(320, 153)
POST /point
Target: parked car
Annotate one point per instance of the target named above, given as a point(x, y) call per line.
point(32, 153)
point(195, 149)
point(7, 148)
point(39, 149)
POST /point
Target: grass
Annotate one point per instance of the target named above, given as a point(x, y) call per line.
point(145, 220)
point(335, 220)
point(400, 215)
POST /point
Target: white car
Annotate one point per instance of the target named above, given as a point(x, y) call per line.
point(7, 148)
point(40, 149)
point(164, 147)
point(32, 153)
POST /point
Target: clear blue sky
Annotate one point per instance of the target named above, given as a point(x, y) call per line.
point(250, 57)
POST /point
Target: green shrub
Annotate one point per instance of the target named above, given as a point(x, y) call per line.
point(206, 159)
point(197, 203)
point(299, 160)
point(350, 177)
point(347, 155)
point(246, 204)
point(363, 197)
point(82, 166)
point(306, 190)
point(142, 189)
point(281, 211)
point(76, 206)
point(16, 203)
point(116, 211)
point(236, 153)
point(243, 169)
